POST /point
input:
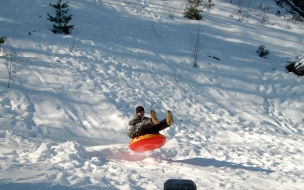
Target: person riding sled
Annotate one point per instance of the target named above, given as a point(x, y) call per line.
point(141, 125)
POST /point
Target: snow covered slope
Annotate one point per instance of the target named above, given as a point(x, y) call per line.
point(238, 118)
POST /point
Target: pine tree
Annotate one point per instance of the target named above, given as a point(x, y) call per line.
point(262, 51)
point(2, 39)
point(61, 20)
point(193, 9)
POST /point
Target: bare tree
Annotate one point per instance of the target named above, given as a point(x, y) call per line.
point(171, 13)
point(248, 3)
point(178, 76)
point(11, 65)
point(198, 40)
point(263, 14)
point(158, 33)
point(240, 4)
point(74, 39)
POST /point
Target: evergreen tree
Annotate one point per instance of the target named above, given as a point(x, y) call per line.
point(2, 39)
point(61, 20)
point(262, 51)
point(193, 9)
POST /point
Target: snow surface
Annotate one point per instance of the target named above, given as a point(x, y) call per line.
point(238, 120)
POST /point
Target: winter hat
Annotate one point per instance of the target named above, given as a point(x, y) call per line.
point(139, 109)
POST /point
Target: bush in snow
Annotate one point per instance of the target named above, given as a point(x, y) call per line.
point(2, 39)
point(296, 66)
point(262, 51)
point(193, 9)
point(61, 19)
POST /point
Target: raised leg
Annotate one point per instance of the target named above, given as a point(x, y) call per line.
point(157, 128)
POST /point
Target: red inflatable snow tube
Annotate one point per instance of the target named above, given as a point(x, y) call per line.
point(147, 142)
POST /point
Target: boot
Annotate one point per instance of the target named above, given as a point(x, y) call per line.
point(154, 118)
point(169, 118)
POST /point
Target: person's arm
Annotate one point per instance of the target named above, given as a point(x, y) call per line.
point(135, 120)
point(131, 122)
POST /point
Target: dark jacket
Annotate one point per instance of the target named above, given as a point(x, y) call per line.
point(134, 128)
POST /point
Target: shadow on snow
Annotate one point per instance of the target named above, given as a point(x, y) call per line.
point(206, 162)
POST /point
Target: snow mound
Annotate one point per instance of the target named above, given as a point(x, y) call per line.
point(69, 155)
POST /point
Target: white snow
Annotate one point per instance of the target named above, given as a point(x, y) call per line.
point(238, 120)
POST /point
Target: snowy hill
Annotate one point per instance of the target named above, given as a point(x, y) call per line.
point(238, 118)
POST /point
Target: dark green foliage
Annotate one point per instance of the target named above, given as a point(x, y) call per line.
point(298, 69)
point(2, 39)
point(296, 65)
point(262, 51)
point(61, 19)
point(193, 9)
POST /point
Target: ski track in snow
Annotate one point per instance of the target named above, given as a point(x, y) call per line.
point(238, 120)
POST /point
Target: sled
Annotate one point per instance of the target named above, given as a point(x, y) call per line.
point(147, 142)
